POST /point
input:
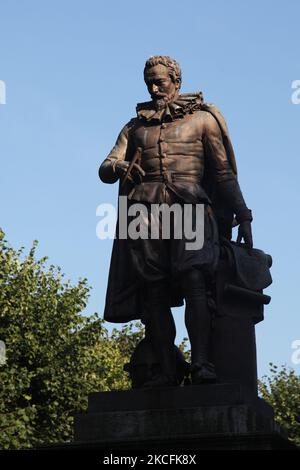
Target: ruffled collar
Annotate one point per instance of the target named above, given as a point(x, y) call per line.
point(187, 103)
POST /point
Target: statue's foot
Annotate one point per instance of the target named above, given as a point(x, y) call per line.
point(203, 373)
point(161, 380)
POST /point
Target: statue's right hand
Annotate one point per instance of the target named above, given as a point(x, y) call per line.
point(121, 168)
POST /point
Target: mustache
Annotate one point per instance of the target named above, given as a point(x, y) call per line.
point(159, 95)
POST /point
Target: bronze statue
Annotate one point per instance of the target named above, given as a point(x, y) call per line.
point(177, 150)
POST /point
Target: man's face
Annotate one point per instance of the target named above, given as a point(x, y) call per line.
point(159, 83)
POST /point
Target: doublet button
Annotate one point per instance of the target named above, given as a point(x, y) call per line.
point(163, 126)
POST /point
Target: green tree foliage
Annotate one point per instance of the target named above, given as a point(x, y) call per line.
point(282, 391)
point(56, 355)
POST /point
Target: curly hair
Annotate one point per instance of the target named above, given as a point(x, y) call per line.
point(171, 64)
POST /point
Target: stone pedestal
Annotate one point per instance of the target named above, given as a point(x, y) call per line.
point(223, 416)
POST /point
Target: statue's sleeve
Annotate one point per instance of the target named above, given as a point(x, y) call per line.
point(225, 178)
point(107, 171)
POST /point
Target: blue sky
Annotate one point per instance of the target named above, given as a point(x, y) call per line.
point(73, 74)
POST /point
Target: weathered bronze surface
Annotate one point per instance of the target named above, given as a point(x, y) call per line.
point(177, 150)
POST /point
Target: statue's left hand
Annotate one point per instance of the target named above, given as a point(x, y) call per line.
point(245, 232)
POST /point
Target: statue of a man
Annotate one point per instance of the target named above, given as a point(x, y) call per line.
point(177, 150)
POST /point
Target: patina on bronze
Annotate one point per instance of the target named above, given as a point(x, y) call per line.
point(177, 149)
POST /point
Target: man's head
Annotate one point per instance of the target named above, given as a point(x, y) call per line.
point(163, 78)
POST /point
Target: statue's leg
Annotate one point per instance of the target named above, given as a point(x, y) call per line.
point(198, 324)
point(197, 316)
point(160, 328)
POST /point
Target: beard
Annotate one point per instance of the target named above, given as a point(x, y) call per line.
point(161, 100)
point(160, 103)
